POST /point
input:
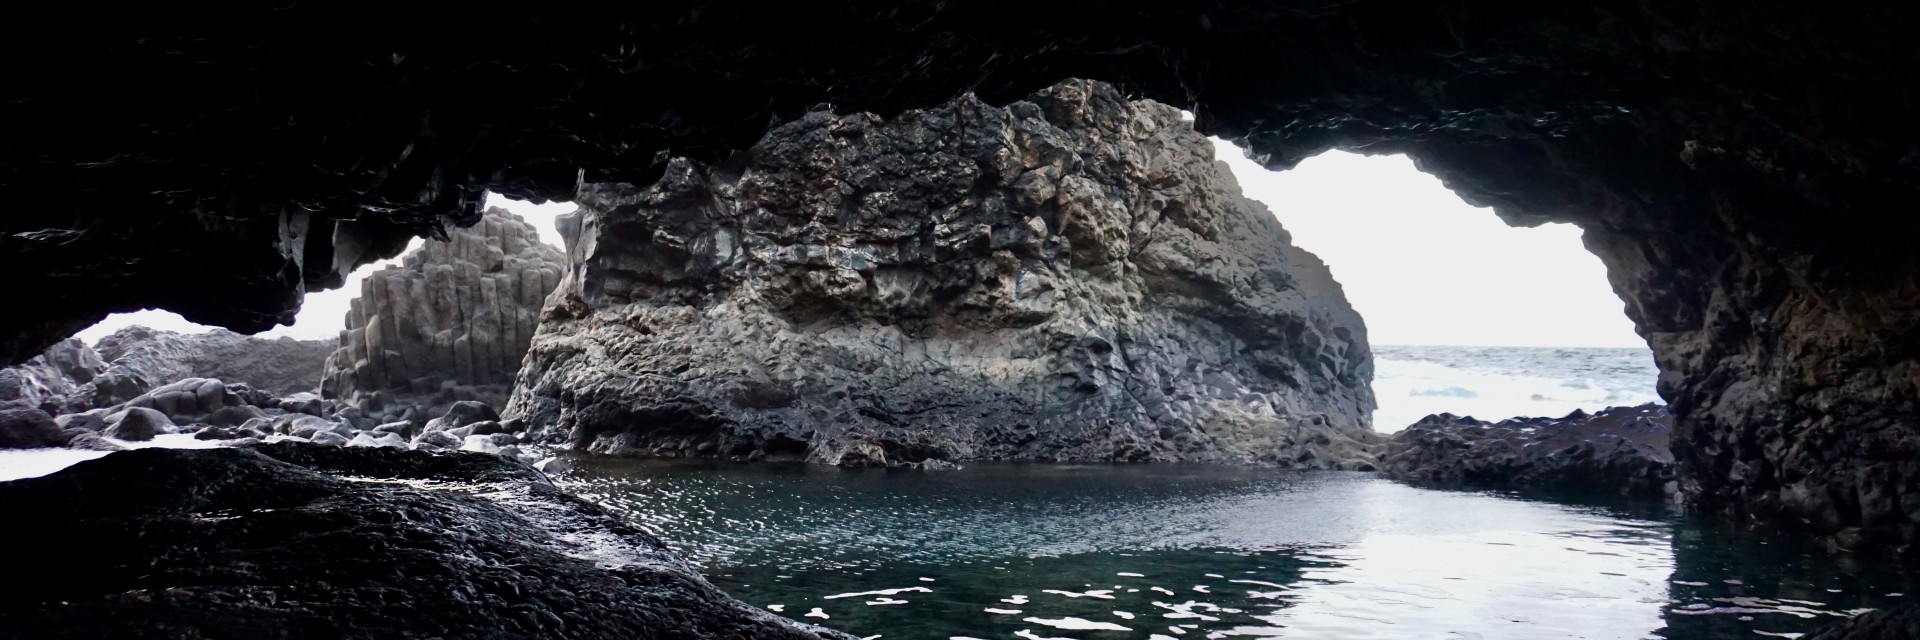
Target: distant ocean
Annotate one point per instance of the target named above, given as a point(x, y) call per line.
point(1495, 383)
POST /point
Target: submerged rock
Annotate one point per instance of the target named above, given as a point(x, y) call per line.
point(288, 540)
point(450, 324)
point(1618, 451)
point(1071, 277)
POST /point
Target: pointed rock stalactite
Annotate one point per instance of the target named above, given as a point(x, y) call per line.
point(450, 323)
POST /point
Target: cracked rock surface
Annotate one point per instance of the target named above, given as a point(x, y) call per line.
point(1069, 277)
point(302, 541)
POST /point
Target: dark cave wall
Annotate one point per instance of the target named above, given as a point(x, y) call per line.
point(1742, 166)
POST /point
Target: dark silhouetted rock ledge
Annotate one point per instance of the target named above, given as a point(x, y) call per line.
point(1618, 451)
point(1072, 277)
point(304, 541)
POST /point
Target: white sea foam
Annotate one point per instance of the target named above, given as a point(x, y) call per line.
point(16, 464)
point(1496, 383)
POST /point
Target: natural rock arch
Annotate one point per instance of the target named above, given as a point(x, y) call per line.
point(1738, 165)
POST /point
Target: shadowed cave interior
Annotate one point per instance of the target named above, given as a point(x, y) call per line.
point(1739, 167)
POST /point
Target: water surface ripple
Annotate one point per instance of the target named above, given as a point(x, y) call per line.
point(1189, 551)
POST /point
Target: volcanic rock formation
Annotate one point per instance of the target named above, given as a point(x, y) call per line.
point(452, 323)
point(1618, 451)
point(1740, 166)
point(141, 359)
point(1070, 277)
point(294, 540)
point(56, 381)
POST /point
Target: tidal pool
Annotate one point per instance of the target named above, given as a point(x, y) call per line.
point(1188, 551)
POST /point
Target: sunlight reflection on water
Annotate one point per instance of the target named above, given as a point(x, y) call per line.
point(1195, 551)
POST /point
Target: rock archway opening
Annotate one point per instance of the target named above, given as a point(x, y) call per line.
point(321, 311)
point(1466, 314)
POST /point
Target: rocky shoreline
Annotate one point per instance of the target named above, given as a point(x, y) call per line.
point(296, 540)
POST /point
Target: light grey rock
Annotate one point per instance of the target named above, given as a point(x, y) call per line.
point(378, 440)
point(450, 324)
point(234, 416)
point(139, 424)
point(57, 381)
point(437, 440)
point(306, 403)
point(329, 438)
point(1071, 277)
point(91, 420)
point(482, 444)
point(277, 438)
point(140, 359)
point(91, 441)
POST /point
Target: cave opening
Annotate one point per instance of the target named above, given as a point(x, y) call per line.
point(321, 311)
point(1465, 314)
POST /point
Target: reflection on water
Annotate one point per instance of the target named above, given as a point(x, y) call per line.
point(1187, 551)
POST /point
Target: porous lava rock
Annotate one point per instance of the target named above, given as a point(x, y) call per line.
point(450, 324)
point(301, 541)
point(141, 359)
point(1740, 166)
point(1070, 277)
point(1618, 451)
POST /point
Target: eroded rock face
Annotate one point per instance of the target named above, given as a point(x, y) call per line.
point(277, 542)
point(142, 359)
point(56, 381)
point(451, 324)
point(1619, 451)
point(1071, 277)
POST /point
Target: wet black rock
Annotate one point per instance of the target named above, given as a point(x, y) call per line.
point(1071, 277)
point(139, 424)
point(1897, 623)
point(1619, 451)
point(300, 541)
point(29, 428)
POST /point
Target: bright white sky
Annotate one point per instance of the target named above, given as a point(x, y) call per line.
point(1421, 266)
point(324, 314)
point(1424, 268)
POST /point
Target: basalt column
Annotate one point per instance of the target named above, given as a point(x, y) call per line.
point(451, 323)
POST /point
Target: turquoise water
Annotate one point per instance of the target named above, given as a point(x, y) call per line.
point(1099, 552)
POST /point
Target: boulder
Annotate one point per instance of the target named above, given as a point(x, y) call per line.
point(306, 403)
point(1618, 451)
point(29, 428)
point(329, 438)
point(93, 420)
point(212, 432)
point(139, 424)
point(1071, 277)
point(233, 416)
point(303, 547)
point(141, 359)
point(378, 440)
point(436, 440)
point(90, 441)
